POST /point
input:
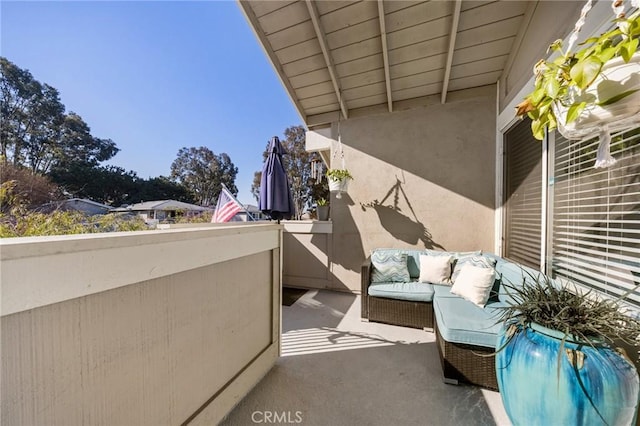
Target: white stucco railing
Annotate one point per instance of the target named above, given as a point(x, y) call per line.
point(160, 327)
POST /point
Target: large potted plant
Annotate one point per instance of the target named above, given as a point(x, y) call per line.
point(556, 360)
point(339, 180)
point(596, 88)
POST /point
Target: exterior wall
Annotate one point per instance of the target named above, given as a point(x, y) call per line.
point(423, 178)
point(144, 328)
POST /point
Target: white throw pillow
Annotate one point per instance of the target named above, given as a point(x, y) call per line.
point(435, 269)
point(474, 284)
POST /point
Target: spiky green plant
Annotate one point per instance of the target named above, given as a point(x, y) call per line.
point(578, 314)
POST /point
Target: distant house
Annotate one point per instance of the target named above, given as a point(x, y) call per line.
point(249, 209)
point(83, 205)
point(163, 210)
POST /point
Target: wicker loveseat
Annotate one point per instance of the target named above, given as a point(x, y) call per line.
point(466, 334)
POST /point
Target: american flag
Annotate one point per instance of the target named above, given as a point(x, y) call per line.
point(226, 208)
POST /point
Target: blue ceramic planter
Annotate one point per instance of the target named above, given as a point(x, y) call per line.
point(601, 388)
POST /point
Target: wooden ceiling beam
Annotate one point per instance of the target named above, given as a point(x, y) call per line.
point(385, 53)
point(322, 39)
point(452, 46)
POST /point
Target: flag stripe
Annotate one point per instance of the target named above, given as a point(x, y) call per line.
point(226, 208)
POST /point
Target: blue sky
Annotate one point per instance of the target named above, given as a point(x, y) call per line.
point(155, 76)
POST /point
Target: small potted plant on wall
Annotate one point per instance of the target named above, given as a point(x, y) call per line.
point(323, 209)
point(592, 89)
point(557, 358)
point(339, 180)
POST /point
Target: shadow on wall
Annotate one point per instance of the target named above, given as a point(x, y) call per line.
point(348, 239)
point(399, 225)
point(450, 145)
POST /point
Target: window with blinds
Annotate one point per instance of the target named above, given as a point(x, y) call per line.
point(595, 215)
point(523, 195)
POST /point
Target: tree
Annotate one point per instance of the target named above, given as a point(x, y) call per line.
point(160, 188)
point(203, 172)
point(77, 144)
point(19, 188)
point(36, 133)
point(109, 185)
point(297, 163)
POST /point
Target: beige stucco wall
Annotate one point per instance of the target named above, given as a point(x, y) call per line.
point(172, 326)
point(423, 178)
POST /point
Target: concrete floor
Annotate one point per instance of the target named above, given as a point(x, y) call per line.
point(337, 370)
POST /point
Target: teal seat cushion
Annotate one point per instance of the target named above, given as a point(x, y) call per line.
point(513, 274)
point(412, 291)
point(460, 321)
point(442, 291)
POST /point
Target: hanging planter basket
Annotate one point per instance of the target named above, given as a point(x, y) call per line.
point(592, 91)
point(617, 79)
point(339, 186)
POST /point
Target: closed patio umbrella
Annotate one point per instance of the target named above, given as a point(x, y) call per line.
point(275, 193)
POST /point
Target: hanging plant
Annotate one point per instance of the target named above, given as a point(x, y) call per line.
point(338, 174)
point(596, 88)
point(339, 180)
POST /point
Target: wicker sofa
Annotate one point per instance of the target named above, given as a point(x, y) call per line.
point(466, 334)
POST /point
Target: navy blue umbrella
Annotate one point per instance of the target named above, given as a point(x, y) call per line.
point(275, 193)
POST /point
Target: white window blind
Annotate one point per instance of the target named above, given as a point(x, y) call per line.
point(596, 215)
point(523, 195)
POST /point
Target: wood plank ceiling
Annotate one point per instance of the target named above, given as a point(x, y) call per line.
point(340, 56)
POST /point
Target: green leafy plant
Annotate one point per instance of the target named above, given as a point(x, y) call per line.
point(570, 71)
point(338, 174)
point(579, 315)
point(322, 202)
point(27, 224)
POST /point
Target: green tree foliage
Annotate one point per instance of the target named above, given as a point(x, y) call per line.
point(16, 220)
point(203, 172)
point(35, 131)
point(203, 217)
point(297, 163)
point(29, 224)
point(115, 186)
point(110, 185)
point(160, 188)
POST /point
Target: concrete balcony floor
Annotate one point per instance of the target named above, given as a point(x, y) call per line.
point(337, 370)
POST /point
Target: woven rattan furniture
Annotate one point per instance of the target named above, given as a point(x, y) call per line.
point(465, 332)
point(392, 311)
point(470, 364)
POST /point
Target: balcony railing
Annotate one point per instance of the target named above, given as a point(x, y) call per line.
point(161, 327)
